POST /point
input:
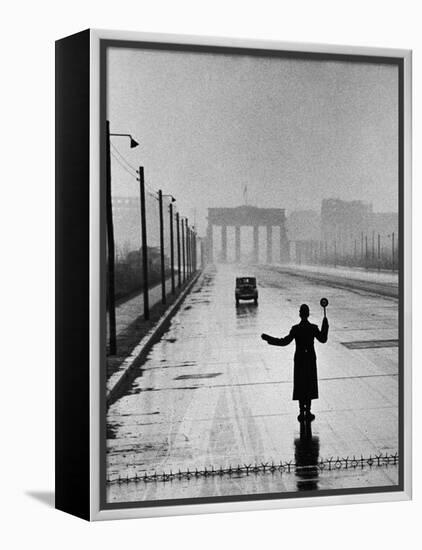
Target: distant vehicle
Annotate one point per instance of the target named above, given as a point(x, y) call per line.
point(246, 289)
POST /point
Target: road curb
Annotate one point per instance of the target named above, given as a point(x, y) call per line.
point(140, 352)
point(372, 287)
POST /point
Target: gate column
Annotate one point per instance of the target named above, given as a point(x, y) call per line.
point(284, 245)
point(255, 243)
point(224, 243)
point(269, 244)
point(210, 244)
point(237, 242)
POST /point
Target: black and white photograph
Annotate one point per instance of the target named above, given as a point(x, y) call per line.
point(253, 272)
point(210, 277)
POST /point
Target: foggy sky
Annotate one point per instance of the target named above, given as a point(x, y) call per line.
point(293, 131)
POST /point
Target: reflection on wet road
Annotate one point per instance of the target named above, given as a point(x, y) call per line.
point(307, 458)
point(212, 393)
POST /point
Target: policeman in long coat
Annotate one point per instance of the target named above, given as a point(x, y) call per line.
point(305, 386)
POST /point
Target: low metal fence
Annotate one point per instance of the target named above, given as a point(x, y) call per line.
point(282, 467)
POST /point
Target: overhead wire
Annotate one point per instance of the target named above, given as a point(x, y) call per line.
point(123, 166)
point(127, 166)
point(150, 191)
point(124, 159)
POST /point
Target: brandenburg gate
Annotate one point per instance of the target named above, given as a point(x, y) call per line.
point(251, 216)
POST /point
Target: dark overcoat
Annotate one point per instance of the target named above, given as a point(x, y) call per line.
point(305, 378)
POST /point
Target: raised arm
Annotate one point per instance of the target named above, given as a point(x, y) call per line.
point(278, 341)
point(322, 335)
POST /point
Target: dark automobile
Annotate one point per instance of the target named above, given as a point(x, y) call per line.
point(246, 289)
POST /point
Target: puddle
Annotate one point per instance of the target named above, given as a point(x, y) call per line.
point(111, 431)
point(137, 391)
point(181, 365)
point(197, 376)
point(368, 344)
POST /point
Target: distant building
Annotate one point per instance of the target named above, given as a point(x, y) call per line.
point(346, 232)
point(127, 224)
point(343, 220)
point(303, 225)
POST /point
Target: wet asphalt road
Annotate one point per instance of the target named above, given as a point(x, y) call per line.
point(213, 393)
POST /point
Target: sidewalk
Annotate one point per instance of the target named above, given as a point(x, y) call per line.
point(130, 310)
point(358, 273)
point(382, 283)
point(132, 328)
point(136, 338)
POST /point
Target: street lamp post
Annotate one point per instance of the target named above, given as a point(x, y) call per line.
point(173, 286)
point(133, 142)
point(145, 282)
point(392, 237)
point(202, 248)
point(366, 252)
point(163, 267)
point(110, 242)
point(162, 255)
point(183, 251)
point(187, 237)
point(110, 251)
point(373, 247)
point(194, 250)
point(179, 266)
point(172, 200)
point(392, 251)
point(187, 251)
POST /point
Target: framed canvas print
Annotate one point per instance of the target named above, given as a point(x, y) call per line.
point(233, 274)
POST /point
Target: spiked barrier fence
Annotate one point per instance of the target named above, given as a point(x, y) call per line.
point(281, 467)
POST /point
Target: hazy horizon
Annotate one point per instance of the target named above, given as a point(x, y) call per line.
point(292, 131)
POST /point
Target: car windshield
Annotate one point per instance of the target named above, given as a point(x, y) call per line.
point(245, 281)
